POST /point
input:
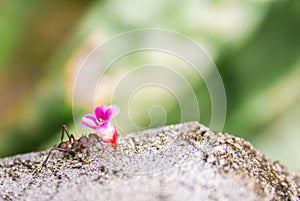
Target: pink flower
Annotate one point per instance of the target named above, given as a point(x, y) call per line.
point(100, 122)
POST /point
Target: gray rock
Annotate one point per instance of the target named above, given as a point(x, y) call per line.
point(179, 162)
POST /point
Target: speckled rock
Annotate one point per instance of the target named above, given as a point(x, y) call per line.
point(179, 162)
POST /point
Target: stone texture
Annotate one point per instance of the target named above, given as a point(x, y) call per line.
point(179, 162)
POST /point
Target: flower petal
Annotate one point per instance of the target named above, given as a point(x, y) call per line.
point(110, 135)
point(103, 127)
point(106, 113)
point(115, 110)
point(89, 120)
point(109, 113)
point(100, 112)
point(100, 122)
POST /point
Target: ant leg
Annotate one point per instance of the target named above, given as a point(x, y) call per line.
point(65, 130)
point(86, 156)
point(52, 149)
point(85, 159)
point(45, 161)
point(72, 138)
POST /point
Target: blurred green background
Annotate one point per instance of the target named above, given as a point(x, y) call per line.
point(255, 45)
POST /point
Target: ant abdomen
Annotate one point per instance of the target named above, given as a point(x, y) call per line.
point(63, 145)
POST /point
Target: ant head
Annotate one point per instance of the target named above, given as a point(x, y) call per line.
point(93, 138)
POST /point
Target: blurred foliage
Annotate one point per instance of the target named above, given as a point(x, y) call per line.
point(255, 46)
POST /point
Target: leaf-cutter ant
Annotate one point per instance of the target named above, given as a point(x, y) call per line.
point(74, 146)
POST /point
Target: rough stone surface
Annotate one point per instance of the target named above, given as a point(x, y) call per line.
point(179, 162)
